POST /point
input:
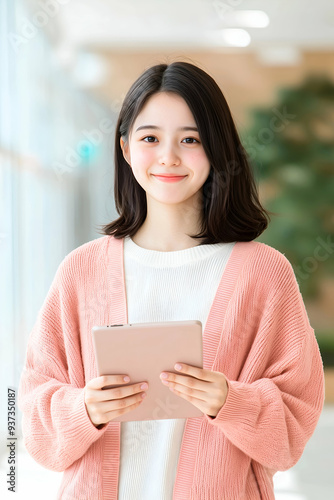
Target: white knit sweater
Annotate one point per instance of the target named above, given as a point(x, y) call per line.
point(163, 286)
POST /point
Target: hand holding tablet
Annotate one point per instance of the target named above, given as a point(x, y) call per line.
point(143, 351)
point(205, 389)
point(107, 404)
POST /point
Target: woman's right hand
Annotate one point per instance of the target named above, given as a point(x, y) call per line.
point(104, 405)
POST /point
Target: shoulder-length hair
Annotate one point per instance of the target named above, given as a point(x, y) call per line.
point(231, 207)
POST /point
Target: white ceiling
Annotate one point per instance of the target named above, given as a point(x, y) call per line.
point(83, 31)
point(187, 24)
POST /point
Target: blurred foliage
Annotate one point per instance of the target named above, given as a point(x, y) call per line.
point(326, 346)
point(291, 148)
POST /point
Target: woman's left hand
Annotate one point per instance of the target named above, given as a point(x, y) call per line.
point(205, 389)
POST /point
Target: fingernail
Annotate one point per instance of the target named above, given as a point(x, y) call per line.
point(126, 379)
point(163, 375)
point(177, 367)
point(144, 386)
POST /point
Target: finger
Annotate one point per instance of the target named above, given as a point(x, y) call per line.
point(188, 393)
point(116, 413)
point(116, 392)
point(189, 383)
point(103, 407)
point(122, 392)
point(105, 380)
point(196, 372)
point(201, 404)
point(102, 413)
point(208, 407)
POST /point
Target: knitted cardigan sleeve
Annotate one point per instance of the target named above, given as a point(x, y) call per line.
point(56, 427)
point(273, 407)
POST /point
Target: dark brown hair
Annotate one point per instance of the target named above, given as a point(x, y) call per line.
point(231, 207)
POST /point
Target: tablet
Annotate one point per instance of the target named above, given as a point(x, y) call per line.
point(143, 351)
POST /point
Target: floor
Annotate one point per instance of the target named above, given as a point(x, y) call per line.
point(312, 478)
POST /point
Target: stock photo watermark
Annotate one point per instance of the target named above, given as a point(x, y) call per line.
point(11, 439)
point(92, 139)
point(321, 253)
point(223, 8)
point(266, 135)
point(75, 156)
point(29, 28)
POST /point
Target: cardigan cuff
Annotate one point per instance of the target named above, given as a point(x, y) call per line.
point(228, 408)
point(242, 405)
point(81, 428)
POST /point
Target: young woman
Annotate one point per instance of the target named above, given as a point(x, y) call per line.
point(181, 249)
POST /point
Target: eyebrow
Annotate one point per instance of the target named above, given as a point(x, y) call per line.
point(159, 128)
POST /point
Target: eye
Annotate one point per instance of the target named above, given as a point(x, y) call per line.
point(186, 139)
point(192, 139)
point(149, 136)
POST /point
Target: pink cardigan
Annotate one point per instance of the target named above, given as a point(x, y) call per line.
point(257, 334)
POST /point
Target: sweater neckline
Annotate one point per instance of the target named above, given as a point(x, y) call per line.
point(159, 258)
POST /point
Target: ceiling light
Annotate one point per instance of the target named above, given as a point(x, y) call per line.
point(236, 37)
point(247, 18)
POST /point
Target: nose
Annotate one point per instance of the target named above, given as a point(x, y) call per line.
point(169, 156)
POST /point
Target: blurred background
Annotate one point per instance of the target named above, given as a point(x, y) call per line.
point(65, 67)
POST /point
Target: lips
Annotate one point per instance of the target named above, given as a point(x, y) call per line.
point(168, 175)
point(169, 178)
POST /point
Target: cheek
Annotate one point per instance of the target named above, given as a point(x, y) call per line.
point(199, 161)
point(142, 156)
point(197, 156)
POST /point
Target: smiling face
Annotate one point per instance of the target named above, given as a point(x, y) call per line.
point(164, 140)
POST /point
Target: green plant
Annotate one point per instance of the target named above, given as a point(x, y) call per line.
point(326, 346)
point(291, 148)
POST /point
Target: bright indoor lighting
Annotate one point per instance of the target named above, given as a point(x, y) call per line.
point(236, 37)
point(247, 18)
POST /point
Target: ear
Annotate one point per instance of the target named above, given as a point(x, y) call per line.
point(125, 149)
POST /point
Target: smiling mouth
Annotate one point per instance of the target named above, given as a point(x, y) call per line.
point(168, 176)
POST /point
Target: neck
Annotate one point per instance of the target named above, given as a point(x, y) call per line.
point(166, 228)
